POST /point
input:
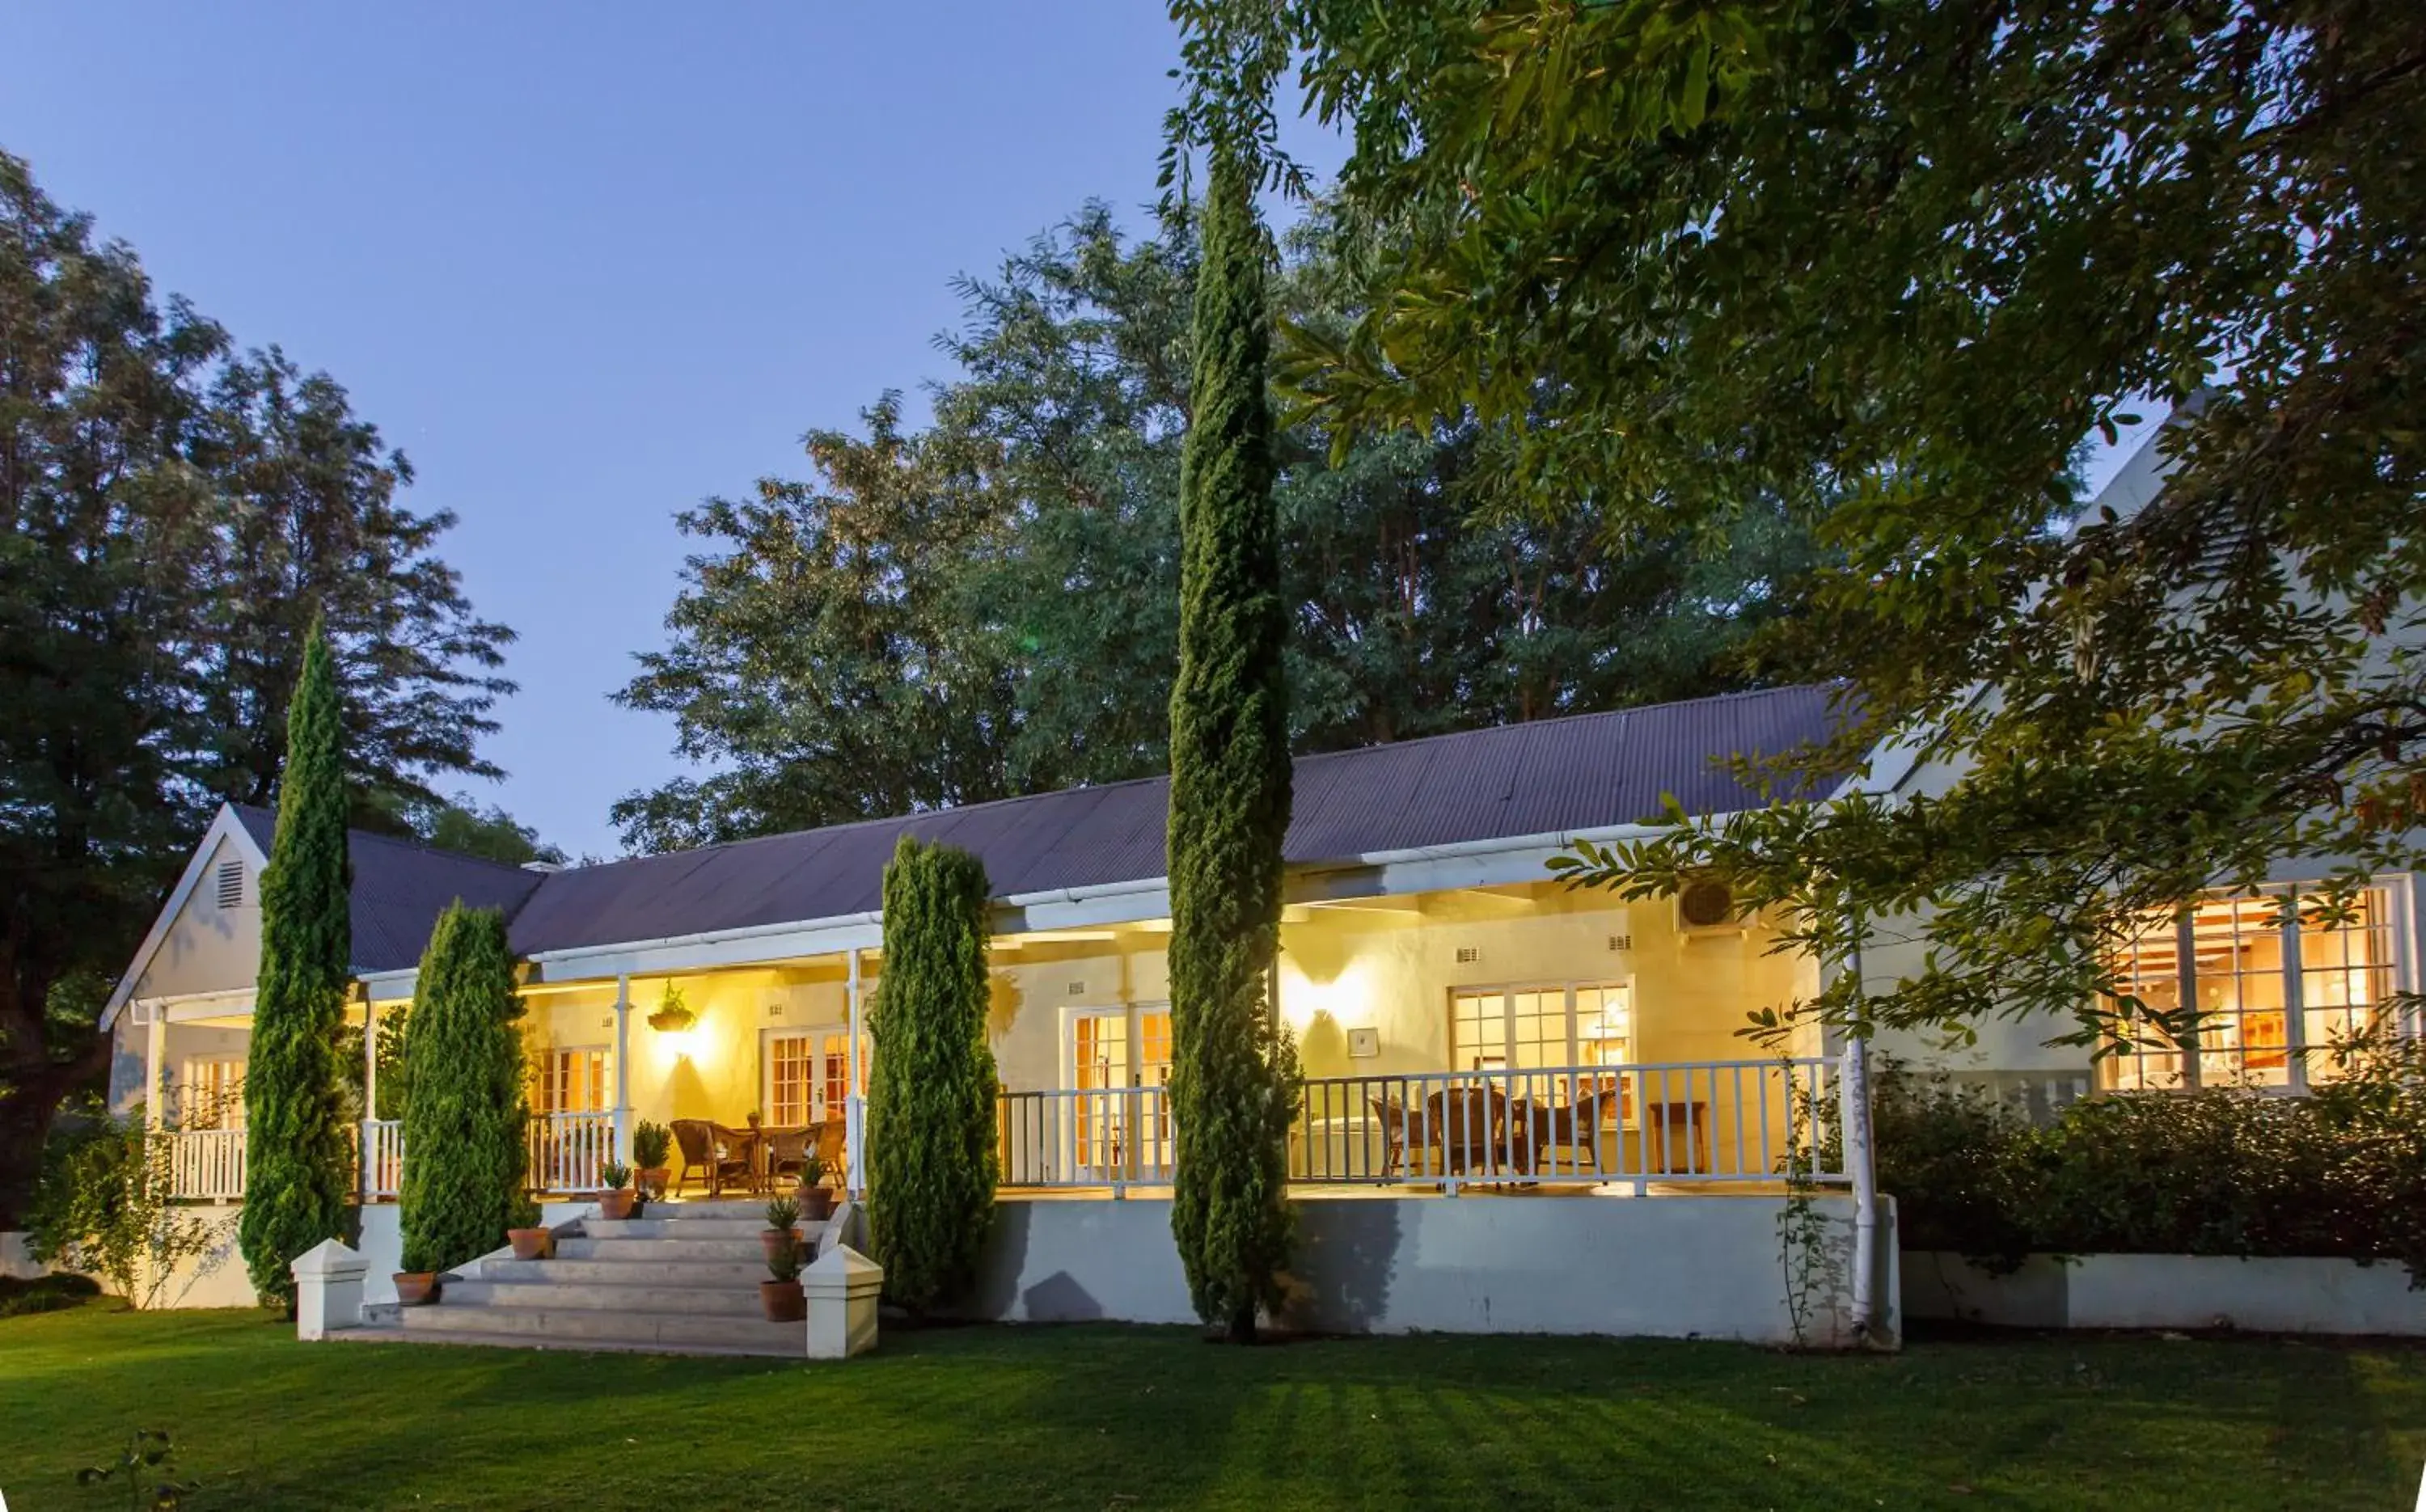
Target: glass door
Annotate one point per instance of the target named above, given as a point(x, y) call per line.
point(1118, 1122)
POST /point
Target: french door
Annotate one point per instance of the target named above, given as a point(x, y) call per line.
point(805, 1074)
point(1118, 1064)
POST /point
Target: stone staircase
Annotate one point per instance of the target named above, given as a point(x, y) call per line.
point(682, 1278)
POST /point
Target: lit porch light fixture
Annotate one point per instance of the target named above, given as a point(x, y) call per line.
point(672, 1015)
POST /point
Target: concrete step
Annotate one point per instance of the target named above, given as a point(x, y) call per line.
point(640, 1272)
point(581, 1328)
point(624, 1252)
point(789, 1348)
point(654, 1227)
point(699, 1207)
point(739, 1299)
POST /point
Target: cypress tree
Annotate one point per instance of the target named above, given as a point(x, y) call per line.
point(298, 1146)
point(931, 1162)
point(1233, 1085)
point(464, 1111)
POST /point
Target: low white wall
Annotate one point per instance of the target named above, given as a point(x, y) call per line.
point(219, 1279)
point(2268, 1295)
point(1673, 1266)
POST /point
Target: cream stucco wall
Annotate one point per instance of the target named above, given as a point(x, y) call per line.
point(208, 948)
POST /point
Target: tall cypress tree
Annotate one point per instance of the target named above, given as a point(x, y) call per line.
point(464, 1111)
point(298, 1142)
point(931, 1162)
point(1232, 1079)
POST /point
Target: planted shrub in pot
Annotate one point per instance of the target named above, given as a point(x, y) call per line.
point(780, 1296)
point(615, 1194)
point(817, 1201)
point(652, 1146)
point(782, 1235)
point(531, 1240)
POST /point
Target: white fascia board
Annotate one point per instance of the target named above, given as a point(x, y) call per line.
point(756, 947)
point(1446, 868)
point(1083, 907)
point(229, 1005)
point(224, 826)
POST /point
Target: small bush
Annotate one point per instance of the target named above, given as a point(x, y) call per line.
point(55, 1293)
point(2215, 1172)
point(105, 1207)
point(651, 1145)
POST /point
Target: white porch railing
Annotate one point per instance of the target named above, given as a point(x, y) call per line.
point(1109, 1136)
point(1633, 1125)
point(207, 1164)
point(567, 1148)
point(382, 1157)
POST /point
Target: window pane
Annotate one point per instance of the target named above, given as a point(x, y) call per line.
point(2345, 971)
point(1479, 1029)
point(2147, 967)
point(2237, 949)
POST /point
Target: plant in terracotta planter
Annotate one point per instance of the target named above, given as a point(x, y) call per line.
point(615, 1194)
point(416, 1288)
point(817, 1202)
point(531, 1240)
point(782, 1296)
point(783, 1234)
point(651, 1145)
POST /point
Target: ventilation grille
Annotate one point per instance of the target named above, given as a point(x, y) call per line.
point(1621, 941)
point(230, 884)
point(1468, 955)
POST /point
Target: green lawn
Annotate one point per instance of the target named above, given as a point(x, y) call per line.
point(1133, 1417)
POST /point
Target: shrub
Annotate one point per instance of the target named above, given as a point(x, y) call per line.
point(2214, 1171)
point(56, 1292)
point(104, 1206)
point(930, 1115)
point(464, 1117)
point(651, 1145)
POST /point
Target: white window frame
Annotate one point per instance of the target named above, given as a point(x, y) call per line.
point(2397, 920)
point(1568, 988)
point(820, 1103)
point(547, 1065)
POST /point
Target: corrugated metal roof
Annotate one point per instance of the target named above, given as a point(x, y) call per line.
point(1552, 775)
point(400, 888)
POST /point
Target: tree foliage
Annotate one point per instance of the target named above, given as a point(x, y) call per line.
point(989, 605)
point(465, 1109)
point(106, 1205)
point(1233, 1093)
point(1890, 265)
point(298, 1142)
point(931, 1160)
point(172, 515)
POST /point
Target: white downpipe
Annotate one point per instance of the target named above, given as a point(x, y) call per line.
point(855, 1105)
point(623, 1070)
point(1853, 1093)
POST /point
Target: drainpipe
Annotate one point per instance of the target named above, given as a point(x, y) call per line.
point(1853, 1093)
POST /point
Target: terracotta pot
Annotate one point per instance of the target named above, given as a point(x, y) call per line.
point(816, 1203)
point(782, 1301)
point(616, 1205)
point(532, 1244)
point(773, 1242)
point(653, 1182)
point(417, 1288)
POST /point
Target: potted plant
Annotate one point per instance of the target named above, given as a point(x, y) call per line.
point(783, 1232)
point(531, 1240)
point(782, 1296)
point(615, 1194)
point(416, 1288)
point(651, 1145)
point(817, 1202)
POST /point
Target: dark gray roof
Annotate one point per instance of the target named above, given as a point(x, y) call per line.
point(1551, 776)
point(400, 888)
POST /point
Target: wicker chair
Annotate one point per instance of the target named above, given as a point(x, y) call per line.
point(708, 1156)
point(787, 1151)
point(1470, 1126)
point(1577, 1127)
point(1393, 1120)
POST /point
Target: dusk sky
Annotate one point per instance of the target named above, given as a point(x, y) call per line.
point(587, 265)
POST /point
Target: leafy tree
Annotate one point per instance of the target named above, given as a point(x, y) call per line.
point(461, 825)
point(298, 1146)
point(170, 518)
point(1890, 266)
point(1003, 587)
point(465, 1111)
point(106, 1206)
point(1232, 1094)
point(931, 1162)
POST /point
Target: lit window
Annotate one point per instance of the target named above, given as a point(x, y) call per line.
point(212, 1092)
point(2272, 994)
point(572, 1081)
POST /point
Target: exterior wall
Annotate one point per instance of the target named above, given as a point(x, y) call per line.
point(1669, 1266)
point(208, 948)
point(2268, 1295)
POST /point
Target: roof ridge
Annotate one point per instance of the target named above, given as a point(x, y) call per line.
point(354, 833)
point(1576, 718)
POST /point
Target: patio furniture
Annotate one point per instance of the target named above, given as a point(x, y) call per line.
point(1573, 1126)
point(1470, 1128)
point(711, 1154)
point(1677, 1136)
point(1393, 1119)
point(831, 1149)
point(788, 1149)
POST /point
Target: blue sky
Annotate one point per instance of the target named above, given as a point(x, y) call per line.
point(587, 265)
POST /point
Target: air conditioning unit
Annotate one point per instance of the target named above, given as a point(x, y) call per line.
point(1706, 906)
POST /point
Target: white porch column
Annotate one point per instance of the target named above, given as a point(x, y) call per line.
point(855, 1106)
point(156, 1042)
point(369, 1161)
point(624, 1069)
